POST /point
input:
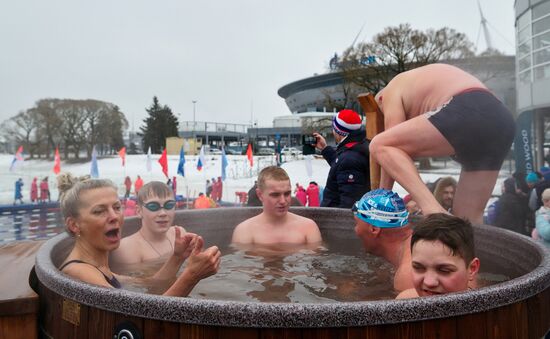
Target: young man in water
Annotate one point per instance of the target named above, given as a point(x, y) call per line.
point(381, 222)
point(443, 257)
point(440, 110)
point(155, 239)
point(276, 225)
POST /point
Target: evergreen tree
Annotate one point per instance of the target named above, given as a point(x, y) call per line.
point(159, 125)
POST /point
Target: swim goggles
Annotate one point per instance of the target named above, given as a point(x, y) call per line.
point(154, 206)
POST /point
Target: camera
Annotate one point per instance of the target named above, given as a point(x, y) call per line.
point(309, 140)
point(308, 144)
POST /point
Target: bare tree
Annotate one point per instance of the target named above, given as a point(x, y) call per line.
point(21, 129)
point(49, 122)
point(398, 49)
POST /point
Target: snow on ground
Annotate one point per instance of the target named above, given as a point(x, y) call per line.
point(240, 177)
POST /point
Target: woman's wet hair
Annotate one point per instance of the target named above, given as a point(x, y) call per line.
point(154, 189)
point(71, 187)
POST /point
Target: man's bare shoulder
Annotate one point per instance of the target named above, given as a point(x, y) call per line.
point(243, 231)
point(307, 226)
point(302, 221)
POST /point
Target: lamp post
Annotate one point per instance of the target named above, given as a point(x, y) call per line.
point(194, 127)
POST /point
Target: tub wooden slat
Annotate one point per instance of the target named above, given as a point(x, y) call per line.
point(283, 333)
point(471, 325)
point(324, 333)
point(100, 323)
point(508, 322)
point(18, 326)
point(538, 310)
point(197, 331)
point(161, 329)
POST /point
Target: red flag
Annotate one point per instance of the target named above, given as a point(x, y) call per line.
point(122, 155)
point(56, 162)
point(163, 161)
point(249, 155)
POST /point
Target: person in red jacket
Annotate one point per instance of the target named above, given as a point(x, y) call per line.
point(138, 184)
point(34, 190)
point(214, 193)
point(202, 202)
point(128, 185)
point(312, 193)
point(220, 189)
point(301, 195)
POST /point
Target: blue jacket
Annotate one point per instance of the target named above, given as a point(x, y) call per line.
point(349, 175)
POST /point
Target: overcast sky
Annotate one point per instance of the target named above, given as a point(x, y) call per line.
point(231, 56)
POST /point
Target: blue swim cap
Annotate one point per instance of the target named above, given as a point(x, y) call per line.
point(531, 178)
point(382, 208)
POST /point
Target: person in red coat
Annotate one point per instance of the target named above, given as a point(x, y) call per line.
point(312, 193)
point(301, 195)
point(220, 189)
point(214, 193)
point(128, 185)
point(34, 190)
point(138, 184)
point(44, 190)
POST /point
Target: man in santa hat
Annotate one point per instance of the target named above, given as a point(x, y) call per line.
point(349, 175)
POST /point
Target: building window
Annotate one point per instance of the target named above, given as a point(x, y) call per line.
point(542, 72)
point(525, 77)
point(524, 20)
point(524, 63)
point(524, 35)
point(524, 49)
point(541, 41)
point(541, 10)
point(542, 56)
point(541, 25)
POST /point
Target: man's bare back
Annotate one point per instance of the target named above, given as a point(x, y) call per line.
point(426, 88)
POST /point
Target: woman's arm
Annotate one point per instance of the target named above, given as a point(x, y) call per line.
point(183, 246)
point(199, 266)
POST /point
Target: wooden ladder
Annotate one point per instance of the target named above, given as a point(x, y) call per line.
point(374, 125)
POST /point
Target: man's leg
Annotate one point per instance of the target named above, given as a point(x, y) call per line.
point(395, 148)
point(472, 193)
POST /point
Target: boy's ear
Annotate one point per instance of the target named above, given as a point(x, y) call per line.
point(473, 269)
point(139, 211)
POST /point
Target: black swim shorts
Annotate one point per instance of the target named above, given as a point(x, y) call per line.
point(478, 126)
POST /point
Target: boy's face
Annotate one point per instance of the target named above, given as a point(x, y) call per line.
point(156, 221)
point(435, 270)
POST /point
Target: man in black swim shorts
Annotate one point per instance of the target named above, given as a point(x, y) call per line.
point(440, 110)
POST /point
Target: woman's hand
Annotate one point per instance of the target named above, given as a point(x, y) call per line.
point(203, 264)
